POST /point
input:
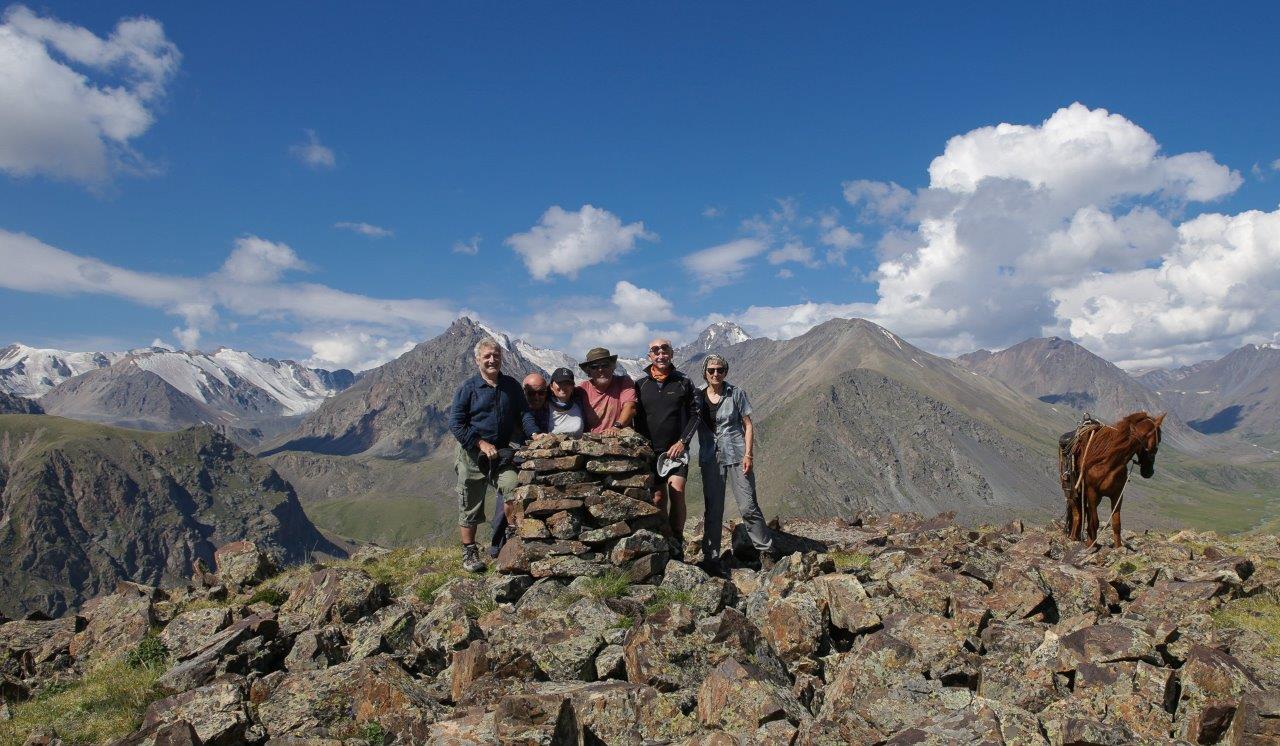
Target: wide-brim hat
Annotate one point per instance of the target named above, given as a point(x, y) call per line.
point(597, 355)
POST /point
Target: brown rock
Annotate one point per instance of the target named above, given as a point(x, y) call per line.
point(1106, 643)
point(611, 507)
point(332, 595)
point(217, 712)
point(115, 625)
point(189, 631)
point(562, 463)
point(310, 703)
point(567, 566)
point(605, 533)
point(532, 528)
point(637, 545)
point(315, 649)
point(241, 564)
point(641, 481)
point(1257, 720)
point(560, 478)
point(847, 603)
point(740, 698)
point(533, 718)
point(468, 665)
point(564, 525)
point(546, 507)
point(1213, 684)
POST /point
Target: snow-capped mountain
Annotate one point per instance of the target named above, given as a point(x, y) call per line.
point(717, 336)
point(548, 359)
point(33, 371)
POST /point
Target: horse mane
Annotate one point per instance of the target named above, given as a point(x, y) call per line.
point(1116, 437)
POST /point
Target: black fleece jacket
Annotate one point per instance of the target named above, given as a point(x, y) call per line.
point(667, 411)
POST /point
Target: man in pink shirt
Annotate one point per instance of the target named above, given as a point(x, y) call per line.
point(611, 400)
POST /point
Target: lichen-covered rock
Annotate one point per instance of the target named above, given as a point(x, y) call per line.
point(387, 630)
point(216, 712)
point(1213, 684)
point(332, 595)
point(314, 649)
point(115, 624)
point(241, 564)
point(611, 507)
point(370, 690)
point(740, 698)
point(189, 631)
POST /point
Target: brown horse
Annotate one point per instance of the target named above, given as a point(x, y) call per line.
point(1101, 461)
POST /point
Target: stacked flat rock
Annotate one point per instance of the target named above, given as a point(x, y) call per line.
point(583, 509)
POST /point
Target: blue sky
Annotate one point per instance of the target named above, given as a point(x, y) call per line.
point(722, 127)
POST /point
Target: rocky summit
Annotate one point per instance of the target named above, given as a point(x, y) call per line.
point(896, 629)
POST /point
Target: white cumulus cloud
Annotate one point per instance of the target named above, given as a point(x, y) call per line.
point(313, 153)
point(725, 263)
point(249, 285)
point(71, 102)
point(878, 200)
point(1072, 226)
point(565, 242)
point(365, 229)
point(641, 304)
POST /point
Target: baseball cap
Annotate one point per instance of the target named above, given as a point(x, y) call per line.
point(562, 375)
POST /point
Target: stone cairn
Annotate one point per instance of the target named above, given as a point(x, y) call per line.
point(582, 509)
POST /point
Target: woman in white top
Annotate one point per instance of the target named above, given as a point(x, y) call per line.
point(565, 403)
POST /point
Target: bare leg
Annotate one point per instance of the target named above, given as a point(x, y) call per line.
point(677, 509)
point(468, 534)
point(660, 502)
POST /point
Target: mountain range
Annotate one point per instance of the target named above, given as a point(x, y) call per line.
point(850, 417)
point(1238, 393)
point(157, 388)
point(84, 506)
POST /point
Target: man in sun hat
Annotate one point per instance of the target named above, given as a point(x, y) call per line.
point(611, 399)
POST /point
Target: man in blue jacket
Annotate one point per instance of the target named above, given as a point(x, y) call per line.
point(488, 414)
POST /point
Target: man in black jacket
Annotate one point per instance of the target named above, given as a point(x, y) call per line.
point(668, 413)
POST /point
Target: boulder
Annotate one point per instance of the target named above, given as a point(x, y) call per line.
point(216, 712)
point(388, 630)
point(740, 698)
point(314, 649)
point(332, 595)
point(189, 631)
point(1213, 683)
point(114, 625)
point(847, 603)
point(370, 690)
point(241, 564)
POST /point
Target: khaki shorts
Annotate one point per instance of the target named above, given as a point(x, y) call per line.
point(473, 485)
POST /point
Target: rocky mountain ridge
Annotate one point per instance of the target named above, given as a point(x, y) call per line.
point(83, 507)
point(1236, 394)
point(883, 629)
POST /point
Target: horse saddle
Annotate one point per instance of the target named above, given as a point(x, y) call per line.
point(1070, 442)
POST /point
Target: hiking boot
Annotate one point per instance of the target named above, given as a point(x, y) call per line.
point(675, 549)
point(769, 559)
point(713, 567)
point(471, 561)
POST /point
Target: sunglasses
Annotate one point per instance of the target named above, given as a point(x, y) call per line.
point(598, 366)
point(715, 371)
point(660, 348)
point(535, 392)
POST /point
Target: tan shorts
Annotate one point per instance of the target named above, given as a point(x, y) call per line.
point(473, 485)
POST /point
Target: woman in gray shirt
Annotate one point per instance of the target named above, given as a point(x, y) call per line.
point(725, 443)
point(565, 403)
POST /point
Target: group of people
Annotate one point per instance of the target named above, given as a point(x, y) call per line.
point(492, 413)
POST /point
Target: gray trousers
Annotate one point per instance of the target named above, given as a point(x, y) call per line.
point(715, 477)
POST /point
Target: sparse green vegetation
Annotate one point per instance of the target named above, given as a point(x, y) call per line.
point(667, 596)
point(149, 653)
point(612, 584)
point(849, 560)
point(373, 733)
point(269, 595)
point(479, 607)
point(107, 704)
point(1260, 614)
point(626, 621)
